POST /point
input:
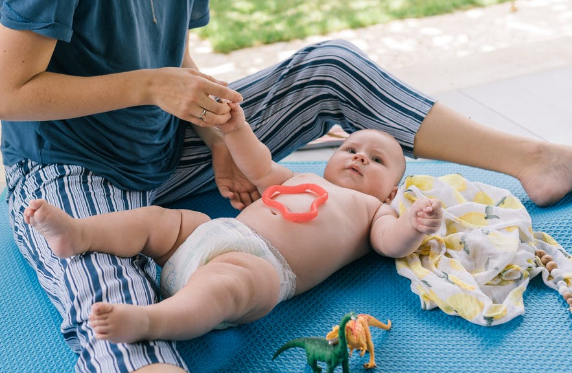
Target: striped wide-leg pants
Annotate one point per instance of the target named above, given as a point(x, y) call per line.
point(288, 105)
point(300, 99)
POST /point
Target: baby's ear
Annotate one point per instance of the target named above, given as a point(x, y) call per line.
point(391, 195)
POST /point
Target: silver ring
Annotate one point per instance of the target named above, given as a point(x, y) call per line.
point(201, 117)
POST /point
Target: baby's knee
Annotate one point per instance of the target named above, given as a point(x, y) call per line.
point(245, 269)
point(251, 282)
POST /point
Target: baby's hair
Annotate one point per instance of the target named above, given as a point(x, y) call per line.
point(393, 138)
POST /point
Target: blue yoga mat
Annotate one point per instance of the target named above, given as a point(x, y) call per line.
point(419, 341)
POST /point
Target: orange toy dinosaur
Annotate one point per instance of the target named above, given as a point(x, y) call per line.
point(358, 336)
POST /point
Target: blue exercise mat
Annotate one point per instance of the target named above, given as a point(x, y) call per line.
point(419, 341)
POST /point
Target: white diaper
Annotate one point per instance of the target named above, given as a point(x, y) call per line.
point(216, 237)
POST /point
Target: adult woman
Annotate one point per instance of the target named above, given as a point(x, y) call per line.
point(95, 100)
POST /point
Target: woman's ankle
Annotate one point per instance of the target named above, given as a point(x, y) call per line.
point(545, 172)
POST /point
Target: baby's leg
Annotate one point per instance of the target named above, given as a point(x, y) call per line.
point(58, 228)
point(234, 287)
point(153, 231)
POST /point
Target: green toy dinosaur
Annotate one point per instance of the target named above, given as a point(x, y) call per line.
point(319, 349)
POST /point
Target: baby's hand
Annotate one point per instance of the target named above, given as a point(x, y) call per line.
point(426, 215)
point(237, 118)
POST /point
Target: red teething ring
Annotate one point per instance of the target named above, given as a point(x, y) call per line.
point(297, 217)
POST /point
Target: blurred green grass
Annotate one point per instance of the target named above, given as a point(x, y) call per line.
point(239, 24)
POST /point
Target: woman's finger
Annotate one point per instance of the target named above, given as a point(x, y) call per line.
point(255, 195)
point(224, 93)
point(209, 77)
point(218, 88)
point(209, 119)
point(245, 198)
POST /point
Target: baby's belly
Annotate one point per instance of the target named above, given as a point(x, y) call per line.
point(315, 248)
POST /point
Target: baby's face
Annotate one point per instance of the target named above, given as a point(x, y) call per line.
point(368, 161)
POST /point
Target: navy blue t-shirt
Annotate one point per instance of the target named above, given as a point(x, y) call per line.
point(135, 148)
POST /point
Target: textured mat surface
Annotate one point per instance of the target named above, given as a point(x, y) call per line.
point(419, 341)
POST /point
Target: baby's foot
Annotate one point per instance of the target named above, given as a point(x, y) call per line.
point(57, 227)
point(119, 323)
point(548, 177)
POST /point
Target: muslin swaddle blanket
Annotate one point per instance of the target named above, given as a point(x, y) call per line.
point(481, 260)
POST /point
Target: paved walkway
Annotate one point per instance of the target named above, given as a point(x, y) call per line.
point(510, 70)
point(440, 53)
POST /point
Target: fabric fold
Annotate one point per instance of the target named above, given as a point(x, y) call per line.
point(479, 263)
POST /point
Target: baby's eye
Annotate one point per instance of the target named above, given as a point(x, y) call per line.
point(378, 160)
point(351, 151)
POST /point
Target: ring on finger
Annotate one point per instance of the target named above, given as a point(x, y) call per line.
point(202, 116)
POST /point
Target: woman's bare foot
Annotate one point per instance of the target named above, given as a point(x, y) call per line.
point(119, 323)
point(57, 227)
point(548, 176)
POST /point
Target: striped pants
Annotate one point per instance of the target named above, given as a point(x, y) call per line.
point(287, 105)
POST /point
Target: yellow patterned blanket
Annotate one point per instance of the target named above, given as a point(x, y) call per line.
point(481, 260)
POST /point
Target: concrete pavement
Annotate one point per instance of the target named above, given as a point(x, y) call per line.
point(436, 54)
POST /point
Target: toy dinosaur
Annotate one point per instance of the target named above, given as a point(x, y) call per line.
point(318, 349)
point(358, 336)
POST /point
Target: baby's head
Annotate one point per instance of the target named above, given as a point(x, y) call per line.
point(369, 161)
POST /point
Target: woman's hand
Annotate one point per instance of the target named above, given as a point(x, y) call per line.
point(187, 94)
point(231, 183)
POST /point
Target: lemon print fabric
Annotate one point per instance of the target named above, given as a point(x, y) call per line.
point(478, 265)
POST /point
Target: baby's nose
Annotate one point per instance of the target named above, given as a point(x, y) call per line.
point(359, 157)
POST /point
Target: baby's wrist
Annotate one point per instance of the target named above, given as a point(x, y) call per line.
point(228, 129)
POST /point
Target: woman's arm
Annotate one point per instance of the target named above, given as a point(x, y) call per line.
point(29, 92)
point(230, 181)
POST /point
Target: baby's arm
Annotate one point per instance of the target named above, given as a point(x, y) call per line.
point(399, 237)
point(251, 156)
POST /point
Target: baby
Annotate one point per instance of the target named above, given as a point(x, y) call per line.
point(222, 272)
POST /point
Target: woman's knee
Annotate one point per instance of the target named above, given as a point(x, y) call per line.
point(343, 51)
point(328, 46)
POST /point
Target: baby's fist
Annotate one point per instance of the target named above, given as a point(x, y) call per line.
point(426, 215)
point(236, 120)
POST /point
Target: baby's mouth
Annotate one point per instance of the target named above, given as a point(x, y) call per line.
point(355, 169)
